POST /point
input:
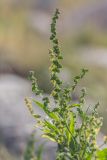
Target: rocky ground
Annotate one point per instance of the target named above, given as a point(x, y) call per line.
point(16, 123)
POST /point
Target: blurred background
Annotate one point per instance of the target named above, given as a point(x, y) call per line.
point(24, 44)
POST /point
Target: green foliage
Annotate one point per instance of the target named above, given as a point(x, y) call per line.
point(30, 153)
point(30, 149)
point(75, 140)
point(102, 155)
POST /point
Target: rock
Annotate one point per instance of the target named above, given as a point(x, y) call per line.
point(94, 12)
point(46, 4)
point(98, 58)
point(5, 155)
point(65, 75)
point(16, 123)
point(39, 21)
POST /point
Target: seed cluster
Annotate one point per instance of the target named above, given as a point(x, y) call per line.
point(35, 88)
point(55, 57)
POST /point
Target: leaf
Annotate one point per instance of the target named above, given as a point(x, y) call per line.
point(53, 116)
point(89, 157)
point(38, 103)
point(37, 116)
point(41, 105)
point(71, 126)
point(51, 126)
point(46, 110)
point(75, 105)
point(49, 136)
point(70, 129)
point(102, 155)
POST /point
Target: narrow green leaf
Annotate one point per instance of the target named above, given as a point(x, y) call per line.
point(75, 105)
point(46, 110)
point(51, 126)
point(38, 103)
point(49, 136)
point(53, 116)
point(36, 116)
point(70, 129)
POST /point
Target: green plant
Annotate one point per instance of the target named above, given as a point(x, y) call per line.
point(30, 153)
point(75, 140)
